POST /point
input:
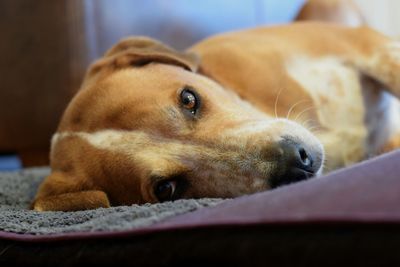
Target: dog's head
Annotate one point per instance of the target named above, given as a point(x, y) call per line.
point(146, 123)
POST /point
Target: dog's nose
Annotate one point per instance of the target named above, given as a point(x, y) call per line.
point(297, 163)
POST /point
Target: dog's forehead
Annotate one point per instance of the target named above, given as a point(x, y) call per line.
point(148, 98)
point(159, 83)
point(162, 82)
point(154, 78)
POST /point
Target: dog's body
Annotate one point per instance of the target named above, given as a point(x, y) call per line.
point(323, 75)
point(344, 12)
point(151, 124)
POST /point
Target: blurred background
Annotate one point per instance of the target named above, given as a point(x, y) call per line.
point(46, 46)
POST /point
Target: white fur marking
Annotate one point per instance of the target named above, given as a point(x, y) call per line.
point(336, 92)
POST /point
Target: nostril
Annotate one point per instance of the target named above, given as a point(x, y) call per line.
point(305, 158)
point(296, 155)
point(296, 163)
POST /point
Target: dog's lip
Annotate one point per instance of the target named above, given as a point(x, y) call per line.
point(297, 175)
point(307, 174)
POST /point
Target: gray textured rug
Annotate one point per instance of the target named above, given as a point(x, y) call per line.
point(17, 189)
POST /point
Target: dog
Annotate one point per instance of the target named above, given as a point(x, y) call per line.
point(344, 12)
point(237, 113)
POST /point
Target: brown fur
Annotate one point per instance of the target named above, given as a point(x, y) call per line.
point(344, 12)
point(125, 129)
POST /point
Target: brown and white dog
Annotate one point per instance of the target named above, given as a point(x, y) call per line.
point(237, 113)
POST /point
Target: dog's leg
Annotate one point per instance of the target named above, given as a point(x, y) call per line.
point(83, 200)
point(392, 144)
point(63, 192)
point(381, 61)
point(384, 66)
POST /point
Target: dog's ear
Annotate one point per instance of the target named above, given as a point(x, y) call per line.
point(139, 51)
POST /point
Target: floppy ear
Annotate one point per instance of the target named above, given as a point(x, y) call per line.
point(139, 51)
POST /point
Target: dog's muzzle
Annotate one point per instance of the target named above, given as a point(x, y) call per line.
point(296, 163)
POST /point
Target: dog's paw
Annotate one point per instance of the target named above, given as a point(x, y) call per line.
point(386, 66)
point(393, 49)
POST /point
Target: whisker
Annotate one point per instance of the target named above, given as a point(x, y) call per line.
point(325, 169)
point(315, 128)
point(316, 132)
point(307, 109)
point(293, 106)
point(306, 122)
point(276, 102)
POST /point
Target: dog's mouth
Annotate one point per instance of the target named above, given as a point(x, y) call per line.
point(294, 176)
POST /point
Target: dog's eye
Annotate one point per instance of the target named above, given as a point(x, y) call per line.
point(189, 100)
point(165, 190)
